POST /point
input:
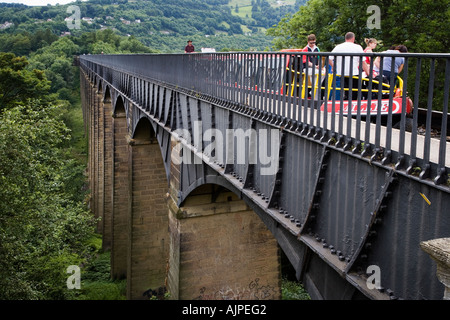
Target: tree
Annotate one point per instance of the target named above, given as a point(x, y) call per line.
point(17, 83)
point(315, 17)
point(42, 226)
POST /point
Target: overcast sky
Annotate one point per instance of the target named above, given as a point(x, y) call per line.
point(39, 2)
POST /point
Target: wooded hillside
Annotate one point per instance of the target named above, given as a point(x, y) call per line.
point(164, 25)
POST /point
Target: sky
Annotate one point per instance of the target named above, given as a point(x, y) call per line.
point(39, 2)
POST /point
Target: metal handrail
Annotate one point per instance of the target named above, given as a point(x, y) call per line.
point(255, 81)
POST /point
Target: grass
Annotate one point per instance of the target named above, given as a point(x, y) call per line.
point(293, 290)
point(245, 6)
point(96, 283)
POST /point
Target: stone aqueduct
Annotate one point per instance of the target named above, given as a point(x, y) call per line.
point(133, 191)
point(208, 230)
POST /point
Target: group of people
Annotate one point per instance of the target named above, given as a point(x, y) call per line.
point(351, 65)
point(348, 66)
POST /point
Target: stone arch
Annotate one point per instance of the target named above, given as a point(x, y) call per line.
point(107, 150)
point(208, 179)
point(100, 87)
point(220, 248)
point(148, 235)
point(107, 94)
point(120, 168)
point(119, 107)
point(143, 131)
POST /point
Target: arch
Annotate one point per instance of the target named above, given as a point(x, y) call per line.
point(147, 213)
point(100, 86)
point(119, 107)
point(107, 95)
point(210, 179)
point(144, 131)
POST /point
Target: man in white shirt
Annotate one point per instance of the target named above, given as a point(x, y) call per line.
point(349, 46)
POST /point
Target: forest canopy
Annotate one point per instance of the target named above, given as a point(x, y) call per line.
point(163, 25)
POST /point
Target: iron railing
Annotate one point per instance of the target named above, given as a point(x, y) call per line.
point(392, 125)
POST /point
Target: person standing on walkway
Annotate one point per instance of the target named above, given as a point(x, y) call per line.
point(189, 48)
point(311, 47)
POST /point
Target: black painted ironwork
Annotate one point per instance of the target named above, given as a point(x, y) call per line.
point(348, 189)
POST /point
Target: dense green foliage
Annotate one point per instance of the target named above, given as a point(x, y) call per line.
point(45, 225)
point(420, 25)
point(293, 290)
point(163, 25)
point(96, 283)
point(17, 83)
point(42, 222)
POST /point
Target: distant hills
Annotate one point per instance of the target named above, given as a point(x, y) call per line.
point(163, 25)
